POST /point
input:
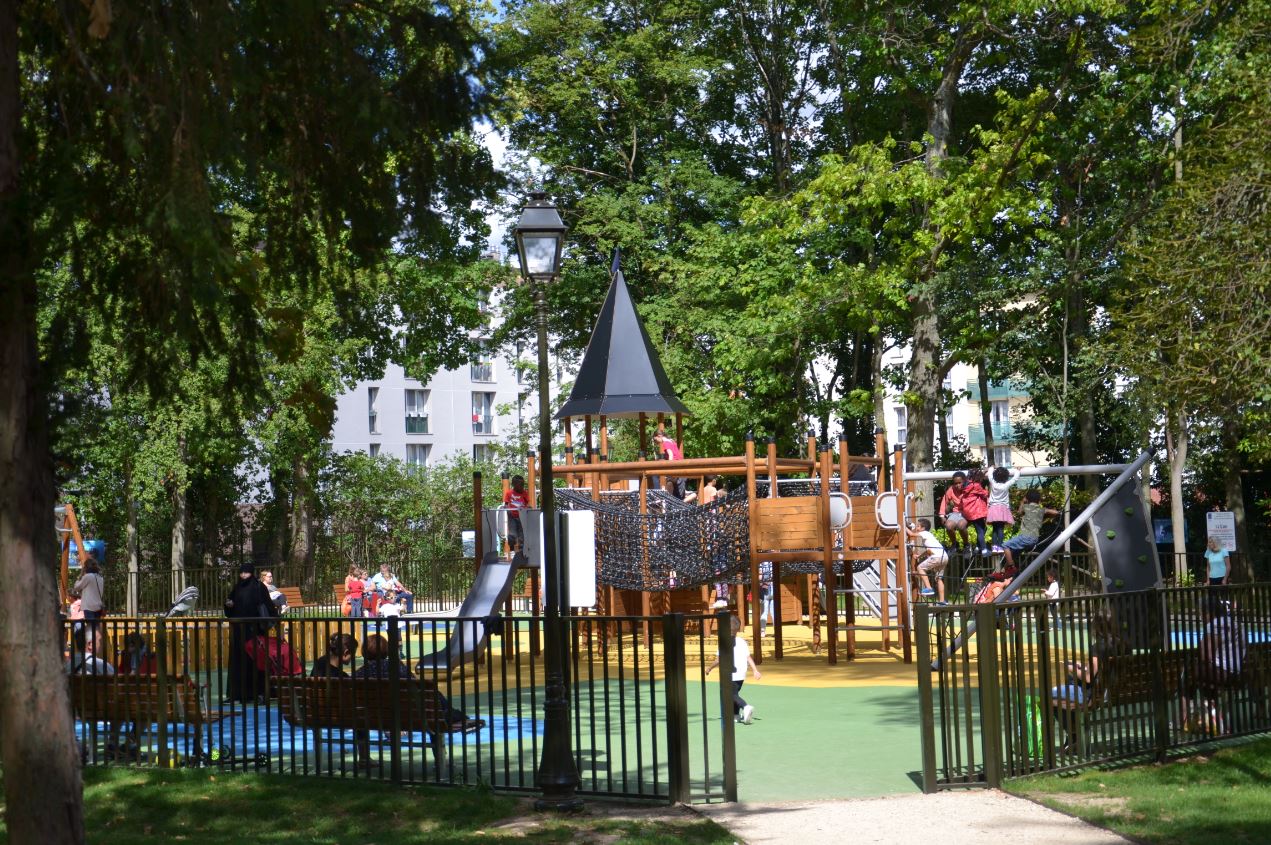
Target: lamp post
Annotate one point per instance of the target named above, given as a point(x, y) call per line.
point(540, 235)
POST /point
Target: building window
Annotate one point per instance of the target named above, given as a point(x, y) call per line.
point(483, 453)
point(483, 302)
point(417, 455)
point(374, 450)
point(482, 368)
point(372, 410)
point(416, 411)
point(902, 425)
point(1000, 411)
point(1001, 456)
point(483, 413)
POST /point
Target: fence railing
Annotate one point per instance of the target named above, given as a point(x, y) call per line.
point(460, 703)
point(435, 585)
point(1027, 687)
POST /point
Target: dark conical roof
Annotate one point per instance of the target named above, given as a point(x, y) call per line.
point(621, 375)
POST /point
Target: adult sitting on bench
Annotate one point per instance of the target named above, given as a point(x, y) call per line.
point(1223, 649)
point(1075, 695)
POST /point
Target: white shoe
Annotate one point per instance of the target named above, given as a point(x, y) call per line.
point(747, 714)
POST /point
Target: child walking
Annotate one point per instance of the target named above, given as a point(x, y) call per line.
point(742, 711)
point(999, 515)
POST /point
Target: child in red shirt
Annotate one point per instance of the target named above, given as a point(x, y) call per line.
point(514, 500)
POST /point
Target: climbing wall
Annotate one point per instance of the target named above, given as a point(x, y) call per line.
point(1123, 543)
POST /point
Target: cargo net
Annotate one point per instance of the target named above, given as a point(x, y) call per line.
point(677, 545)
point(672, 546)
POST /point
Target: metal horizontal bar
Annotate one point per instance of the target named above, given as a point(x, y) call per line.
point(1031, 472)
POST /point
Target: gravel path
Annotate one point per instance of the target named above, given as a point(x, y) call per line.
point(971, 817)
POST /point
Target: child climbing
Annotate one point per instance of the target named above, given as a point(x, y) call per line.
point(1031, 517)
point(951, 512)
point(742, 660)
point(975, 505)
point(999, 514)
point(933, 559)
point(515, 499)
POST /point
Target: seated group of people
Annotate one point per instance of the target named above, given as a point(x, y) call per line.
point(381, 595)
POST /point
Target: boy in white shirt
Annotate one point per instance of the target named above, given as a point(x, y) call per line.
point(933, 560)
point(1052, 594)
point(742, 660)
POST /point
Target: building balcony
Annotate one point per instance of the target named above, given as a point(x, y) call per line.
point(416, 425)
point(1003, 434)
point(997, 390)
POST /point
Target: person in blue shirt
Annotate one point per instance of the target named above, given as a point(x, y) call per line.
point(385, 581)
point(1219, 560)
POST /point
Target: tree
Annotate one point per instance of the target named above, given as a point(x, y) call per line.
point(126, 139)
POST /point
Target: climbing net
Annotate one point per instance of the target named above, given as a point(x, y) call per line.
point(671, 546)
point(674, 545)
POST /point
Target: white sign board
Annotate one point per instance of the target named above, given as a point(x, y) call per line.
point(1221, 525)
point(576, 535)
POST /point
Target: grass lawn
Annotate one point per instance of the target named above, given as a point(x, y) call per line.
point(1223, 797)
point(202, 806)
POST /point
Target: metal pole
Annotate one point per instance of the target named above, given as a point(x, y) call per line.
point(1031, 472)
point(557, 772)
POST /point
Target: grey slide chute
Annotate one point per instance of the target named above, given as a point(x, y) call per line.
point(489, 593)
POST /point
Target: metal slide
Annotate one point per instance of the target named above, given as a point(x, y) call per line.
point(869, 588)
point(488, 595)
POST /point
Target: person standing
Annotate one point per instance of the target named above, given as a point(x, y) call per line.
point(933, 559)
point(249, 600)
point(514, 500)
point(1219, 562)
point(671, 451)
point(999, 514)
point(710, 490)
point(91, 587)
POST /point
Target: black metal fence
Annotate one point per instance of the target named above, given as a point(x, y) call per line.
point(1028, 687)
point(442, 701)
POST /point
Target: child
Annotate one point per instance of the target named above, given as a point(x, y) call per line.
point(951, 512)
point(999, 515)
point(514, 500)
point(742, 711)
point(1052, 595)
point(975, 505)
point(354, 589)
point(933, 560)
point(389, 608)
point(1031, 516)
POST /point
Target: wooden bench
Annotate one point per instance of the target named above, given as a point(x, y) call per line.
point(365, 704)
point(139, 699)
point(292, 596)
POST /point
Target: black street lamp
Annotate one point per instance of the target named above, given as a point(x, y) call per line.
point(540, 235)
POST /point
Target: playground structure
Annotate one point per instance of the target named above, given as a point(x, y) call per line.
point(825, 515)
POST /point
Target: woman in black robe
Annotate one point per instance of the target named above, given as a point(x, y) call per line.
point(248, 600)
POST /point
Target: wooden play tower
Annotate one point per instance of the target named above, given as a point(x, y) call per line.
point(805, 518)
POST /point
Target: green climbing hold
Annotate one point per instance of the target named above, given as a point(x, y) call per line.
point(1110, 534)
point(1142, 558)
point(1129, 511)
point(1118, 583)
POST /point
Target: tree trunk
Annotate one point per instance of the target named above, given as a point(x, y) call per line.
point(1176, 448)
point(280, 519)
point(131, 546)
point(43, 789)
point(1233, 481)
point(924, 364)
point(942, 428)
point(878, 387)
point(300, 561)
point(986, 412)
point(211, 531)
point(179, 524)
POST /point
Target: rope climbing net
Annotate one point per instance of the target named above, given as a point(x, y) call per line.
point(674, 545)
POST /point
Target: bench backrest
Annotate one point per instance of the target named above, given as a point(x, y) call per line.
point(293, 597)
point(361, 703)
point(134, 698)
point(1129, 678)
